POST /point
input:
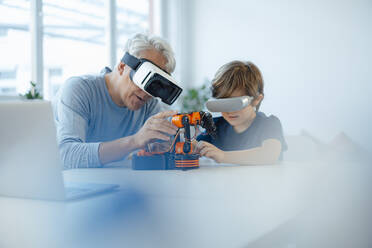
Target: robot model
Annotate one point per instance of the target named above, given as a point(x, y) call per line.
point(180, 154)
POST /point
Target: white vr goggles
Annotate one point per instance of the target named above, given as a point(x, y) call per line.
point(153, 80)
point(228, 104)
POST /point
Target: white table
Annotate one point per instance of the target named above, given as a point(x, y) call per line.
point(209, 207)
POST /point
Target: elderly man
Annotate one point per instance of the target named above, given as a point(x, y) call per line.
point(102, 118)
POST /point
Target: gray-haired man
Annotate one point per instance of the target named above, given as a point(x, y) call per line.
point(102, 118)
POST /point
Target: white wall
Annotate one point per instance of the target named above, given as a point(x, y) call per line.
point(316, 58)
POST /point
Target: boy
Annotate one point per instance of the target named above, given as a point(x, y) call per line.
point(245, 136)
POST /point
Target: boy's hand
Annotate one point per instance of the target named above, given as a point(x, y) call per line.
point(210, 151)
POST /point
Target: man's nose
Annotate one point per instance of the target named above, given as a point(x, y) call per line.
point(145, 95)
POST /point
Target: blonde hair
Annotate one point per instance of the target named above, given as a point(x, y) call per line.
point(238, 75)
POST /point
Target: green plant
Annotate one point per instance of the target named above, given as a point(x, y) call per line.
point(194, 99)
point(33, 93)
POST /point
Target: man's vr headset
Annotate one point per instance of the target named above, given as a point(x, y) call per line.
point(152, 79)
point(228, 104)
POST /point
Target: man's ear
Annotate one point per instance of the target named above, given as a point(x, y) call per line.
point(257, 100)
point(120, 68)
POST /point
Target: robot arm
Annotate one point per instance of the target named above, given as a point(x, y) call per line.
point(180, 154)
point(185, 121)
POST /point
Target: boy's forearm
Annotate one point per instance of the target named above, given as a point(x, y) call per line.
point(117, 149)
point(268, 153)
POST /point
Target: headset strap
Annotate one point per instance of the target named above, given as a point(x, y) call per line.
point(131, 61)
point(134, 62)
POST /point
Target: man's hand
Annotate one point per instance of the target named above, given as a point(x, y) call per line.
point(156, 127)
point(208, 150)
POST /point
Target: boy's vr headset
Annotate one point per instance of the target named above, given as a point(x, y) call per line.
point(228, 104)
point(152, 79)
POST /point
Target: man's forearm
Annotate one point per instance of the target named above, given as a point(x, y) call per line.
point(117, 149)
point(79, 155)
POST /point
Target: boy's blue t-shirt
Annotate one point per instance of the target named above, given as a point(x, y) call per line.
point(262, 128)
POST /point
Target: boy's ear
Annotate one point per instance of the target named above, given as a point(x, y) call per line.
point(257, 100)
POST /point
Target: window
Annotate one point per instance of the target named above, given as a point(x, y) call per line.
point(132, 17)
point(15, 69)
point(74, 39)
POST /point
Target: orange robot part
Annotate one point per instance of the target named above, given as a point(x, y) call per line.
point(180, 146)
point(194, 119)
point(186, 163)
